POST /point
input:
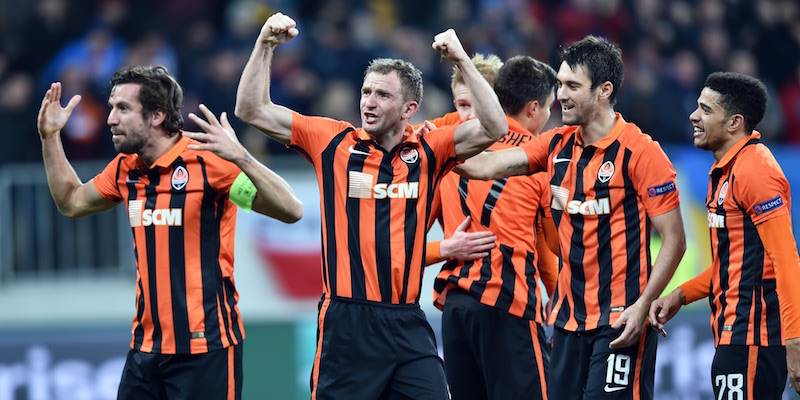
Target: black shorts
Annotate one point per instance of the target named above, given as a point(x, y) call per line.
point(375, 351)
point(491, 354)
point(216, 375)
point(749, 372)
point(582, 366)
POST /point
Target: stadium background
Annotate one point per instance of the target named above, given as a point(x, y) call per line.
point(67, 286)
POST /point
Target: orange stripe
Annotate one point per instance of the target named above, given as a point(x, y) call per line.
point(231, 374)
point(637, 372)
point(537, 350)
point(321, 322)
point(752, 363)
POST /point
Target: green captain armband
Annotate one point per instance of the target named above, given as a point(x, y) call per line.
point(243, 192)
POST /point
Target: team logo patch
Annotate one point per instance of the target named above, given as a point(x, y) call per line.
point(180, 176)
point(409, 154)
point(768, 205)
point(605, 172)
point(655, 191)
point(723, 191)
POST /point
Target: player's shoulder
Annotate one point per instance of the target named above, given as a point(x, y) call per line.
point(756, 161)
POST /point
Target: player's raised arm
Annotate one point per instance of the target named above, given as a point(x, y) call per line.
point(473, 136)
point(262, 189)
point(253, 103)
point(72, 197)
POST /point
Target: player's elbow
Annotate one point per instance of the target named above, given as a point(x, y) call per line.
point(245, 110)
point(294, 212)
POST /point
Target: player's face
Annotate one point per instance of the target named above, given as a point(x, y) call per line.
point(382, 106)
point(709, 121)
point(462, 99)
point(128, 125)
point(542, 114)
point(578, 100)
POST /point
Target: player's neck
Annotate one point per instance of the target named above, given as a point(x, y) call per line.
point(389, 139)
point(157, 147)
point(599, 126)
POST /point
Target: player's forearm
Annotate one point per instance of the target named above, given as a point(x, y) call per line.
point(484, 102)
point(61, 177)
point(254, 84)
point(274, 196)
point(493, 165)
point(669, 256)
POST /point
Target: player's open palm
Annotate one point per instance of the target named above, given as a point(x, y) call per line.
point(53, 117)
point(278, 29)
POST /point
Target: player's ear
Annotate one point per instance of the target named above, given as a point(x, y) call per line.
point(735, 122)
point(409, 109)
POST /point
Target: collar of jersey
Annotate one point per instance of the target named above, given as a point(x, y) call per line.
point(733, 151)
point(408, 136)
point(515, 126)
point(167, 158)
point(612, 136)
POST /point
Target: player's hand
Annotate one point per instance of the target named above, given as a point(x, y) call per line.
point(53, 117)
point(425, 127)
point(448, 45)
point(663, 309)
point(793, 363)
point(219, 137)
point(633, 318)
point(467, 246)
point(278, 29)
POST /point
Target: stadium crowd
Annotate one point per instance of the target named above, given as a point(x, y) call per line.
point(668, 48)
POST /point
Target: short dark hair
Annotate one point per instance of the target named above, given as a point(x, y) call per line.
point(522, 79)
point(410, 76)
point(158, 91)
point(740, 94)
point(601, 59)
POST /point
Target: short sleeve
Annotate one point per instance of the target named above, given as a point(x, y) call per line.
point(106, 181)
point(442, 143)
point(655, 179)
point(760, 187)
point(221, 173)
point(313, 134)
point(537, 150)
point(543, 185)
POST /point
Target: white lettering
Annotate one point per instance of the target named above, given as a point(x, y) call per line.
point(590, 207)
point(716, 221)
point(403, 190)
point(170, 217)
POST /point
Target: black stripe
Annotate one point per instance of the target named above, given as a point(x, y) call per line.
point(479, 286)
point(221, 203)
point(773, 316)
point(209, 260)
point(508, 275)
point(177, 268)
point(138, 332)
point(358, 283)
point(150, 246)
point(463, 191)
point(577, 250)
point(230, 292)
point(491, 200)
point(633, 241)
point(560, 169)
point(328, 194)
point(410, 227)
point(605, 266)
point(752, 271)
point(383, 233)
point(531, 308)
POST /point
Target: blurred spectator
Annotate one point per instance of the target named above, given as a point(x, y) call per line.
point(790, 104)
point(18, 119)
point(744, 62)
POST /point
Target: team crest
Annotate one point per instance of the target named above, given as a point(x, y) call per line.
point(409, 154)
point(722, 193)
point(605, 172)
point(180, 177)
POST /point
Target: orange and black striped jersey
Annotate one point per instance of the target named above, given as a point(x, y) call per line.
point(450, 118)
point(375, 206)
point(603, 196)
point(746, 188)
point(183, 233)
point(508, 277)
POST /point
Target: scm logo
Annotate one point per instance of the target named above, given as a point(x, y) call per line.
point(716, 220)
point(590, 207)
point(160, 216)
point(402, 190)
